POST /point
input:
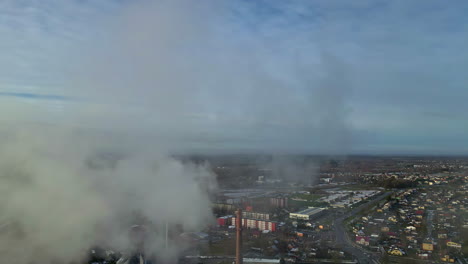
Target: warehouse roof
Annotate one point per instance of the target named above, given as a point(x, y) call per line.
point(310, 211)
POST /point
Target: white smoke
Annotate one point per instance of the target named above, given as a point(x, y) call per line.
point(54, 205)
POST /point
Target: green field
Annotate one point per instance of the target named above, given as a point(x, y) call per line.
point(311, 200)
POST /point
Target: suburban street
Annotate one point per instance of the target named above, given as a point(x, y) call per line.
point(349, 246)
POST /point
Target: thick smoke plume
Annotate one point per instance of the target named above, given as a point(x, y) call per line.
point(59, 196)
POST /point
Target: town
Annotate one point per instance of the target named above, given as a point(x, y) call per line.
point(361, 210)
point(356, 210)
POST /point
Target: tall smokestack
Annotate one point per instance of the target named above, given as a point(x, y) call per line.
point(239, 259)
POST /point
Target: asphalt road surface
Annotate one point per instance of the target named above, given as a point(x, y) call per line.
point(342, 239)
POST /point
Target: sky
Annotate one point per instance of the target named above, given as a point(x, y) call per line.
point(342, 77)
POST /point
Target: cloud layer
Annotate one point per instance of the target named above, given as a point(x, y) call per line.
point(322, 76)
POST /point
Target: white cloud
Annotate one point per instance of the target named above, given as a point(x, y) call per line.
point(255, 66)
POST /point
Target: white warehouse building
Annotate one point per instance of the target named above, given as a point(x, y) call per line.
point(306, 214)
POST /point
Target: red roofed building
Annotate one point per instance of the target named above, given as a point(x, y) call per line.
point(224, 221)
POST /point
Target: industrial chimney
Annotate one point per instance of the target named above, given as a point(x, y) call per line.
point(239, 258)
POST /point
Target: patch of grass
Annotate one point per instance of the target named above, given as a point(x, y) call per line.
point(311, 200)
point(225, 247)
point(299, 204)
point(357, 187)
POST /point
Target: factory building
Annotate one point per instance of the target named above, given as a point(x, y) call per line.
point(258, 224)
point(307, 214)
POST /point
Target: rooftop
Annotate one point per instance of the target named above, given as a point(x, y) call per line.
point(310, 211)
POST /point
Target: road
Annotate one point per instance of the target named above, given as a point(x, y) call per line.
point(343, 240)
point(430, 217)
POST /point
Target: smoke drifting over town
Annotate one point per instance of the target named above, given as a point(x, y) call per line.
point(55, 204)
point(145, 86)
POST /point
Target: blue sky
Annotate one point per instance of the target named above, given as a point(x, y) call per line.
point(383, 77)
